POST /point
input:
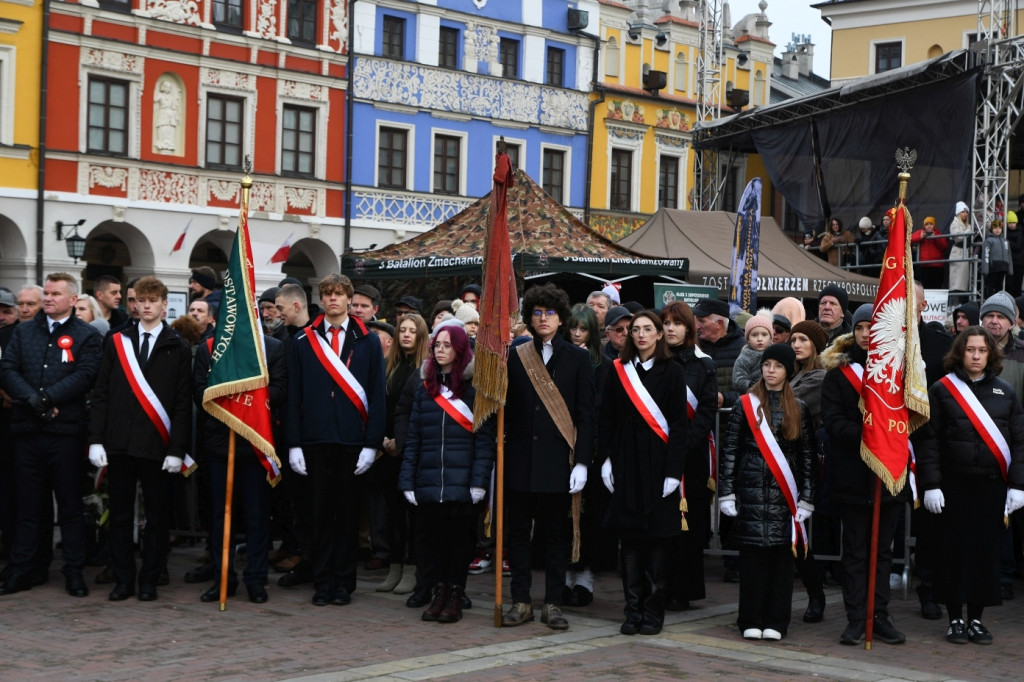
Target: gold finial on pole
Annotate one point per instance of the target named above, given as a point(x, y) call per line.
point(905, 160)
point(246, 182)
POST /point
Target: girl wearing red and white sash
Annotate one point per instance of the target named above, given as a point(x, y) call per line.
point(971, 468)
point(643, 431)
point(767, 513)
point(446, 466)
point(686, 580)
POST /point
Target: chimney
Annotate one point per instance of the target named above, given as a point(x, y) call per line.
point(805, 54)
point(790, 63)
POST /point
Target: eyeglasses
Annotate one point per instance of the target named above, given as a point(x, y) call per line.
point(618, 330)
point(643, 331)
point(544, 313)
point(441, 346)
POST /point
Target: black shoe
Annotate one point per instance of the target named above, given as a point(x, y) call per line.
point(649, 629)
point(853, 634)
point(121, 592)
point(886, 631)
point(257, 593)
point(732, 575)
point(213, 594)
point(108, 577)
point(341, 597)
point(147, 592)
point(676, 604)
point(956, 632)
point(322, 596)
point(16, 583)
point(467, 603)
point(294, 578)
point(815, 609)
point(202, 574)
point(75, 585)
point(419, 598)
point(1005, 591)
point(978, 633)
point(930, 610)
point(629, 628)
point(164, 578)
point(581, 596)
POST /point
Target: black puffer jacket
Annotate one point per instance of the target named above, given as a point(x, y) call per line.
point(951, 445)
point(724, 352)
point(701, 378)
point(850, 479)
point(442, 460)
point(764, 518)
point(32, 360)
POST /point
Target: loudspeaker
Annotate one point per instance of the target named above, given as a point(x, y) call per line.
point(578, 19)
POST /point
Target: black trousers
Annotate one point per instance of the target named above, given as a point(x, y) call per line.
point(450, 533)
point(388, 511)
point(856, 545)
point(298, 490)
point(334, 546)
point(766, 588)
point(252, 489)
point(548, 514)
point(123, 473)
point(43, 461)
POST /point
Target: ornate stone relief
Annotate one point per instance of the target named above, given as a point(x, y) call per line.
point(112, 61)
point(168, 116)
point(298, 90)
point(178, 11)
point(301, 198)
point(266, 19)
point(262, 197)
point(167, 187)
point(227, 79)
point(111, 178)
point(338, 12)
point(625, 131)
point(223, 190)
point(481, 43)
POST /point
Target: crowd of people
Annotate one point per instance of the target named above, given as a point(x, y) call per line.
point(612, 460)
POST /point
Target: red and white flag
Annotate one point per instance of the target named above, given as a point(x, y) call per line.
point(894, 397)
point(281, 255)
point(181, 238)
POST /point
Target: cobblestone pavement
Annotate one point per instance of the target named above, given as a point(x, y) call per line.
point(46, 635)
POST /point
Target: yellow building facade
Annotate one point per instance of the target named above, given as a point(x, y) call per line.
point(21, 23)
point(644, 111)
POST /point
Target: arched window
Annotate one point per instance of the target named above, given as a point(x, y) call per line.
point(682, 73)
point(759, 98)
point(611, 58)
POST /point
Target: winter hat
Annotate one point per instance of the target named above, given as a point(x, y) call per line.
point(465, 312)
point(813, 331)
point(410, 302)
point(205, 277)
point(269, 296)
point(741, 318)
point(792, 308)
point(1002, 303)
point(612, 292)
point(710, 306)
point(445, 306)
point(782, 321)
point(865, 223)
point(782, 352)
point(929, 219)
point(863, 314)
point(961, 207)
point(450, 322)
point(755, 322)
point(838, 293)
point(1011, 217)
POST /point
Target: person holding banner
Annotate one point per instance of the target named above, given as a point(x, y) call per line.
point(643, 427)
point(446, 466)
point(140, 428)
point(767, 483)
point(686, 553)
point(971, 469)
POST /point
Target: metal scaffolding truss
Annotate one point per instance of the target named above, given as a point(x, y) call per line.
point(709, 99)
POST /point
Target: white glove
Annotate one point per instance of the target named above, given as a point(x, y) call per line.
point(669, 486)
point(577, 479)
point(607, 477)
point(297, 461)
point(172, 464)
point(728, 507)
point(97, 455)
point(1014, 500)
point(366, 459)
point(934, 501)
point(411, 496)
point(477, 494)
point(803, 511)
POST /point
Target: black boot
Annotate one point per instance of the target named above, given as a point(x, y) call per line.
point(633, 589)
point(654, 604)
point(452, 611)
point(815, 608)
point(437, 604)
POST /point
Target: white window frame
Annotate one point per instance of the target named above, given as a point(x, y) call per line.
point(8, 67)
point(566, 171)
point(463, 157)
point(636, 149)
point(322, 109)
point(518, 142)
point(873, 53)
point(410, 157)
point(683, 157)
point(134, 82)
point(248, 124)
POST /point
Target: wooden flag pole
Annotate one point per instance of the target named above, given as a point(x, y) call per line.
point(499, 516)
point(226, 544)
point(869, 616)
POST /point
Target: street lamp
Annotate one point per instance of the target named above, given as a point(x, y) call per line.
point(74, 242)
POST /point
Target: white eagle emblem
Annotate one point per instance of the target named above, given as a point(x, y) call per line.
point(889, 341)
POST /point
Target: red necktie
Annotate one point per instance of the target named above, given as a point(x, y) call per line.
point(336, 340)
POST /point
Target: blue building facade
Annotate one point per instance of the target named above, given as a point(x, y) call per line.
point(436, 84)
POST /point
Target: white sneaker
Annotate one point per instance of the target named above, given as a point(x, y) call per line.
point(752, 633)
point(773, 635)
point(895, 581)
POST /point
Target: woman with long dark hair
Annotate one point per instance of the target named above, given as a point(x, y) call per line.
point(767, 483)
point(643, 427)
point(971, 469)
point(686, 581)
point(446, 466)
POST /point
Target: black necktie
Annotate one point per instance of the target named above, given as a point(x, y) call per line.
point(144, 348)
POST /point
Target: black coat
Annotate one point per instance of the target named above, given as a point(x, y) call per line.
point(850, 479)
point(116, 418)
point(536, 455)
point(701, 378)
point(764, 518)
point(641, 461)
point(951, 446)
point(32, 360)
point(724, 352)
point(441, 460)
point(213, 433)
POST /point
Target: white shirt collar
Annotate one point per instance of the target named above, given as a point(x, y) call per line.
point(153, 333)
point(646, 365)
point(61, 321)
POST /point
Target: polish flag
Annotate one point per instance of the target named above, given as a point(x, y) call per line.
point(281, 255)
point(181, 238)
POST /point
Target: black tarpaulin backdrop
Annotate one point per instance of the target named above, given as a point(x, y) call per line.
point(857, 147)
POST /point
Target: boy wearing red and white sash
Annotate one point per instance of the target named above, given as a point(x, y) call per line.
point(335, 425)
point(767, 483)
point(139, 428)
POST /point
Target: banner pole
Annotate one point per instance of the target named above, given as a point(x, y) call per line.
point(226, 543)
point(499, 516)
point(869, 616)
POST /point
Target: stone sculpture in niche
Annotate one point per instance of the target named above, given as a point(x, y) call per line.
point(168, 106)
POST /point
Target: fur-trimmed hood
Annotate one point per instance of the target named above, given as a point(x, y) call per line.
point(838, 354)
